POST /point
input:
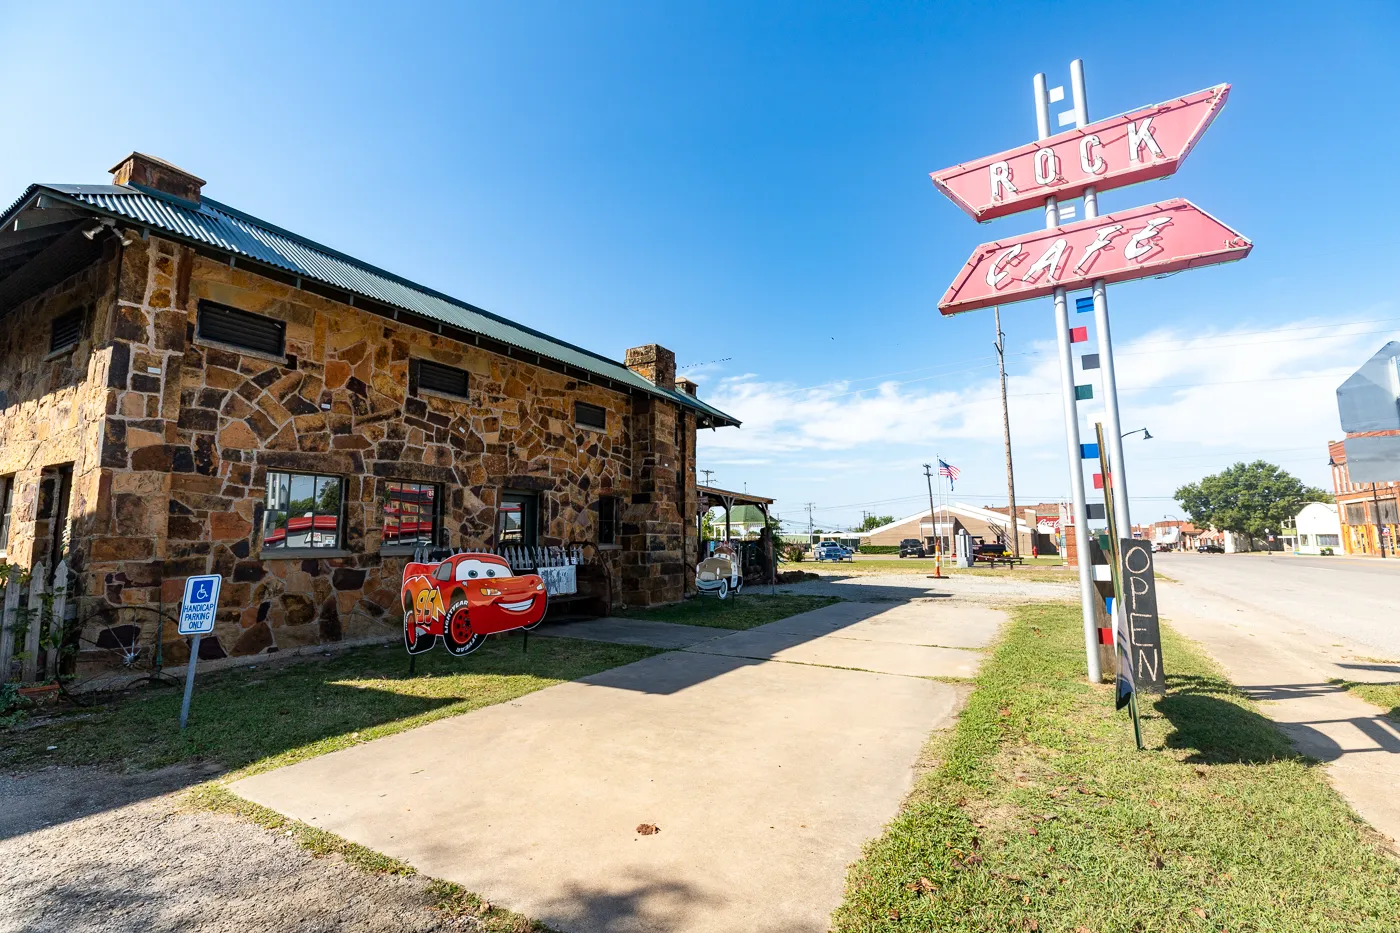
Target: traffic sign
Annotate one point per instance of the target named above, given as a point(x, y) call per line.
point(200, 604)
point(197, 611)
point(1123, 150)
point(1131, 244)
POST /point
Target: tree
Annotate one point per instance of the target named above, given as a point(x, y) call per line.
point(1247, 498)
point(875, 521)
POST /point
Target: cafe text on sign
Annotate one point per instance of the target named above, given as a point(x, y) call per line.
point(1123, 150)
point(1131, 244)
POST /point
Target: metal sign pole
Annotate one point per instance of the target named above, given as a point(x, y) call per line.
point(1112, 425)
point(1087, 594)
point(189, 682)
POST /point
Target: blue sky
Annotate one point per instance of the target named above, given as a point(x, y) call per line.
point(748, 184)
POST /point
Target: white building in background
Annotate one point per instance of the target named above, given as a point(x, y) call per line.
point(1318, 527)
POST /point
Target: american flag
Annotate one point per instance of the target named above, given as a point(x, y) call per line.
point(947, 469)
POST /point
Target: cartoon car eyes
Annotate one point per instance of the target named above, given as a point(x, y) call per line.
point(478, 569)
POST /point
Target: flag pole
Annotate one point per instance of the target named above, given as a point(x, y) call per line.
point(933, 517)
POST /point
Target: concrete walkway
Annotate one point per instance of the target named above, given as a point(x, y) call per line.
point(1286, 665)
point(764, 768)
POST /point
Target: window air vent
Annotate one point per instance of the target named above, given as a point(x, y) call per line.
point(590, 416)
point(67, 330)
point(223, 324)
point(439, 378)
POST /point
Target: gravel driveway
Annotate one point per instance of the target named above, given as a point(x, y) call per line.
point(151, 866)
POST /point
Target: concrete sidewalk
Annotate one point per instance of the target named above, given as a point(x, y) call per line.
point(764, 777)
point(1286, 667)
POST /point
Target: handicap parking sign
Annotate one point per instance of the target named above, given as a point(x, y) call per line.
point(200, 604)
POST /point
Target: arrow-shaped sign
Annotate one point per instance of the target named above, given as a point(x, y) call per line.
point(1123, 150)
point(1132, 244)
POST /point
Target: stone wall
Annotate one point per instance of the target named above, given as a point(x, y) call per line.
point(193, 429)
point(52, 408)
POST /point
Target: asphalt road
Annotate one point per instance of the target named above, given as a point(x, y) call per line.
point(1358, 600)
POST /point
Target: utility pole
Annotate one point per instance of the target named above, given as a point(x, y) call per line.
point(708, 474)
point(809, 522)
point(1006, 434)
point(933, 521)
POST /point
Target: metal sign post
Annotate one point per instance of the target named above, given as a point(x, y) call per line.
point(1112, 425)
point(1080, 506)
point(197, 611)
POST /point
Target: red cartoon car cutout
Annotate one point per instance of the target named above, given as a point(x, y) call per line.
point(465, 598)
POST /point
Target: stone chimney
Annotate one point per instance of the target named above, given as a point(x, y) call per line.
point(654, 363)
point(150, 172)
point(686, 386)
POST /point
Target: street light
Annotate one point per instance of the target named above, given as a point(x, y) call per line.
point(1146, 435)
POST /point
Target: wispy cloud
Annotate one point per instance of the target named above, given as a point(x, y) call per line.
point(1208, 397)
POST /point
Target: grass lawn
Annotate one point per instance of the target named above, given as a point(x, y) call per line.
point(1384, 695)
point(1038, 813)
point(744, 611)
point(264, 716)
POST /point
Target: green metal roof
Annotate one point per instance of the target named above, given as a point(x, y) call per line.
point(212, 225)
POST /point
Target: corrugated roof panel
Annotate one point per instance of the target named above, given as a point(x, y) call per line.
point(225, 228)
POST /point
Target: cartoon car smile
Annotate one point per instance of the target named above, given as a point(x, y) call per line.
point(465, 598)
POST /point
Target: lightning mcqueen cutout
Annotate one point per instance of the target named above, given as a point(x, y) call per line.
point(465, 598)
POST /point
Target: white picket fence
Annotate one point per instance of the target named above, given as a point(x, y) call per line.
point(30, 630)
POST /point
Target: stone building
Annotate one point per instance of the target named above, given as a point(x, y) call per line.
point(186, 389)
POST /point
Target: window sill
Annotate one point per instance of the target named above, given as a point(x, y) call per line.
point(590, 427)
point(449, 396)
point(609, 547)
point(62, 351)
point(401, 550)
point(303, 553)
point(245, 351)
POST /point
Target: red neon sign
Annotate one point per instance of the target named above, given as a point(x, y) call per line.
point(1123, 150)
point(1132, 244)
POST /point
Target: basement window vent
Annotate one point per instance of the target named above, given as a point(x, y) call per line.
point(222, 324)
point(67, 329)
point(436, 377)
point(590, 416)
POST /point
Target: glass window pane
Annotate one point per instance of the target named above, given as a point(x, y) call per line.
point(325, 529)
point(274, 529)
point(512, 523)
point(393, 511)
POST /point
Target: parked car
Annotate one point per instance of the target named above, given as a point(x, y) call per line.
point(1210, 548)
point(911, 547)
point(831, 550)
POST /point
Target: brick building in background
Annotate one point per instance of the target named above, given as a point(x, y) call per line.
point(186, 389)
point(1367, 510)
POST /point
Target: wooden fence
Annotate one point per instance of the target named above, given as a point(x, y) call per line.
point(32, 622)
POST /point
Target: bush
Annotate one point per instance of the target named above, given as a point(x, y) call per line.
point(878, 549)
point(793, 552)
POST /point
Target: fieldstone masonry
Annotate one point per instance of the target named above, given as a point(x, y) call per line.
point(170, 441)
